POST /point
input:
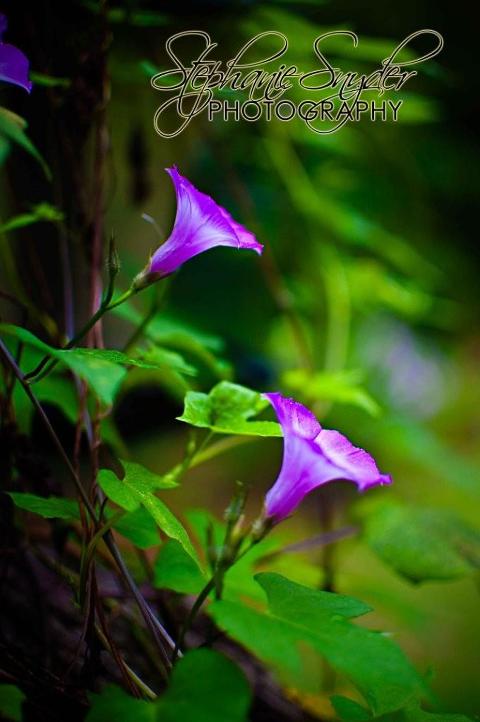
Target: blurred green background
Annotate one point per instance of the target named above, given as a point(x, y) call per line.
point(364, 305)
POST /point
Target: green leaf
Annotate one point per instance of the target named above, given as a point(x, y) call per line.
point(375, 665)
point(101, 373)
point(40, 212)
point(12, 127)
point(143, 478)
point(115, 704)
point(128, 16)
point(239, 582)
point(421, 544)
point(59, 391)
point(139, 528)
point(348, 710)
point(135, 490)
point(51, 507)
point(166, 330)
point(338, 386)
point(175, 569)
point(103, 369)
point(161, 358)
point(137, 480)
point(227, 410)
point(310, 604)
point(49, 81)
point(11, 699)
point(415, 714)
point(205, 687)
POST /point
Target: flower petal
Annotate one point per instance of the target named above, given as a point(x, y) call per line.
point(356, 464)
point(200, 224)
point(313, 456)
point(294, 417)
point(13, 63)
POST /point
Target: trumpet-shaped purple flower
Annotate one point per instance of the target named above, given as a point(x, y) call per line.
point(13, 63)
point(200, 224)
point(313, 456)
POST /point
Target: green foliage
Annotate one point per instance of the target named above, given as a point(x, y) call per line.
point(139, 527)
point(340, 387)
point(204, 687)
point(12, 128)
point(40, 212)
point(350, 711)
point(113, 703)
point(227, 409)
point(421, 544)
point(239, 582)
point(137, 489)
point(11, 699)
point(51, 507)
point(49, 81)
point(177, 570)
point(103, 369)
point(162, 358)
point(165, 330)
point(375, 665)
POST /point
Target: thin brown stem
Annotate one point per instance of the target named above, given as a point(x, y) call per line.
point(160, 634)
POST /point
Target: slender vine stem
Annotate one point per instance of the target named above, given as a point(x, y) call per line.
point(160, 634)
point(216, 582)
point(44, 367)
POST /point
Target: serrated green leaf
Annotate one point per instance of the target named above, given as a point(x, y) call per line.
point(50, 507)
point(175, 569)
point(375, 665)
point(11, 699)
point(421, 544)
point(227, 409)
point(135, 490)
point(205, 687)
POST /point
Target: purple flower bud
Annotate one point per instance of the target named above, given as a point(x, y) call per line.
point(313, 456)
point(200, 224)
point(13, 63)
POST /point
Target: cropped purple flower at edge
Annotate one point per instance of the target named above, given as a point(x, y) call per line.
point(200, 224)
point(312, 457)
point(13, 63)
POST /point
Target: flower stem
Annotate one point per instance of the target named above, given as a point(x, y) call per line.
point(209, 586)
point(216, 581)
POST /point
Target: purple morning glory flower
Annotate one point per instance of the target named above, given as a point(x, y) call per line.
point(200, 224)
point(313, 456)
point(13, 63)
